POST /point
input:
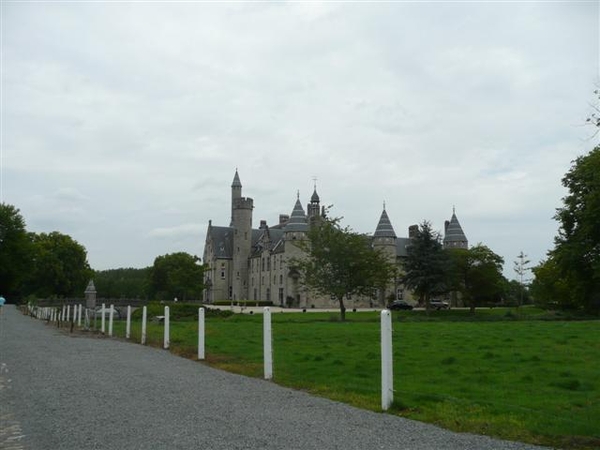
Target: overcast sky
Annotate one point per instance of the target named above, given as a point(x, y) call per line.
point(123, 123)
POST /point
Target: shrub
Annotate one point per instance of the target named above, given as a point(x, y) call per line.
point(179, 311)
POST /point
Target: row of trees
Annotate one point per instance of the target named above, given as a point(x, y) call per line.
point(39, 264)
point(341, 263)
point(176, 275)
point(570, 277)
point(53, 264)
point(474, 274)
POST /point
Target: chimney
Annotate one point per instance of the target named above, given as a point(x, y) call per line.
point(412, 231)
point(263, 224)
point(283, 218)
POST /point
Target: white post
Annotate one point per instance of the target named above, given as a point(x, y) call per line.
point(79, 315)
point(200, 333)
point(111, 313)
point(102, 321)
point(144, 316)
point(268, 343)
point(68, 312)
point(166, 336)
point(387, 373)
point(62, 317)
point(128, 327)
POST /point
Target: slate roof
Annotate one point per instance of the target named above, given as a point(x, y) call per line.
point(401, 245)
point(454, 232)
point(222, 239)
point(297, 220)
point(384, 227)
point(315, 197)
point(236, 180)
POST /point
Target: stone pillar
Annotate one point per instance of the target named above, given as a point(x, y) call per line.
point(90, 295)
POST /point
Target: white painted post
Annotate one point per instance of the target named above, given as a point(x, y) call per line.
point(128, 327)
point(144, 316)
point(166, 336)
point(387, 374)
point(79, 315)
point(68, 312)
point(267, 343)
point(64, 311)
point(200, 333)
point(102, 320)
point(111, 313)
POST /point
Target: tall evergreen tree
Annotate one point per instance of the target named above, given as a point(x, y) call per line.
point(426, 266)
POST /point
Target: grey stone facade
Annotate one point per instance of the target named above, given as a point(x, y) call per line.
point(253, 264)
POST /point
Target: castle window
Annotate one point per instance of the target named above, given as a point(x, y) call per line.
point(222, 274)
point(399, 294)
point(238, 275)
point(230, 291)
point(263, 264)
point(255, 294)
point(281, 296)
point(268, 263)
point(280, 279)
point(268, 294)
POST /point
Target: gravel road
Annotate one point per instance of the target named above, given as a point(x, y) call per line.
point(64, 392)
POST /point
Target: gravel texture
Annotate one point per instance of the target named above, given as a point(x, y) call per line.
point(59, 391)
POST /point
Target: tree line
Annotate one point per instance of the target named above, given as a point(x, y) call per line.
point(54, 265)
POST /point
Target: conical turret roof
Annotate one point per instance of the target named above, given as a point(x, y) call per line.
point(454, 232)
point(236, 180)
point(315, 197)
point(297, 220)
point(384, 227)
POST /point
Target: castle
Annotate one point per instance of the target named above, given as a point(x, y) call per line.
point(245, 263)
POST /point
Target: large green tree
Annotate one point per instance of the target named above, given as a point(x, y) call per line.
point(340, 263)
point(15, 251)
point(550, 288)
point(59, 268)
point(476, 273)
point(177, 275)
point(426, 265)
point(577, 246)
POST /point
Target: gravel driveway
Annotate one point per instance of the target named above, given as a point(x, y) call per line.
point(64, 392)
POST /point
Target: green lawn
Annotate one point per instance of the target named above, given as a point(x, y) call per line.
point(529, 380)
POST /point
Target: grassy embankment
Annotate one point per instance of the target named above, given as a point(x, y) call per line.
point(501, 373)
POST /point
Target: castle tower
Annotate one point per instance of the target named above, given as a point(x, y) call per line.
point(236, 192)
point(454, 236)
point(241, 222)
point(385, 240)
point(313, 209)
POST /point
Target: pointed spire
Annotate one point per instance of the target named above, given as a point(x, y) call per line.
point(384, 227)
point(236, 180)
point(297, 220)
point(454, 235)
point(315, 197)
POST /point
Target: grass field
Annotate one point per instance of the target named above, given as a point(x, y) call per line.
point(502, 373)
